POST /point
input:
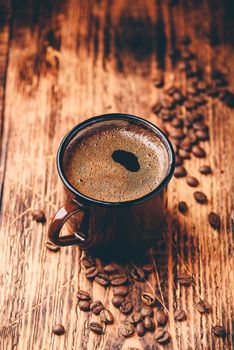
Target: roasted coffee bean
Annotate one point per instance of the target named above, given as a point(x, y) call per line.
point(177, 123)
point(161, 317)
point(177, 134)
point(140, 329)
point(157, 108)
point(191, 90)
point(178, 161)
point(187, 55)
point(166, 115)
point(202, 135)
point(205, 169)
point(183, 154)
point(201, 86)
point(137, 273)
point(182, 206)
point(159, 81)
point(187, 122)
point(214, 220)
point(102, 279)
point(192, 181)
point(186, 144)
point(200, 197)
point(126, 329)
point(198, 152)
point(192, 137)
point(120, 290)
point(111, 268)
point(180, 315)
point(171, 90)
point(91, 272)
point(118, 280)
point(148, 299)
point(180, 171)
point(84, 305)
point(168, 103)
point(147, 267)
point(184, 279)
point(149, 323)
point(185, 40)
point(203, 307)
point(178, 98)
point(190, 105)
point(83, 295)
point(135, 318)
point(199, 125)
point(106, 316)
point(117, 300)
point(96, 327)
point(58, 329)
point(88, 261)
point(216, 74)
point(96, 307)
point(146, 311)
point(126, 307)
point(219, 331)
point(162, 336)
point(212, 91)
point(38, 215)
point(52, 247)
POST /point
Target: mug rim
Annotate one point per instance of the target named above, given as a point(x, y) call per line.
point(114, 116)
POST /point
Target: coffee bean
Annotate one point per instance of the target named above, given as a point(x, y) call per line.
point(120, 290)
point(190, 105)
point(91, 272)
point(171, 90)
point(140, 329)
point(201, 86)
point(178, 161)
point(191, 90)
point(58, 329)
point(192, 137)
point(199, 125)
point(148, 267)
point(178, 98)
point(161, 317)
point(126, 307)
point(118, 280)
point(200, 101)
point(117, 300)
point(96, 327)
point(184, 279)
point(198, 152)
point(83, 295)
point(205, 169)
point(106, 316)
point(52, 247)
point(192, 181)
point(88, 261)
point(183, 154)
point(177, 123)
point(148, 299)
point(149, 323)
point(135, 318)
point(84, 305)
point(180, 315)
point(177, 134)
point(180, 171)
point(212, 91)
point(182, 206)
point(111, 268)
point(168, 103)
point(203, 307)
point(126, 329)
point(156, 108)
point(146, 311)
point(216, 74)
point(162, 336)
point(38, 215)
point(166, 115)
point(96, 307)
point(102, 279)
point(186, 145)
point(200, 197)
point(219, 331)
point(185, 40)
point(214, 220)
point(202, 135)
point(138, 274)
point(187, 55)
point(159, 81)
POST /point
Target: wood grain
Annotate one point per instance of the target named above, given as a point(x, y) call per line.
point(60, 63)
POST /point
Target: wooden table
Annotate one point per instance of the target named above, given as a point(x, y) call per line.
point(60, 63)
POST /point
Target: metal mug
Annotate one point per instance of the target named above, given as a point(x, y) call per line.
point(111, 229)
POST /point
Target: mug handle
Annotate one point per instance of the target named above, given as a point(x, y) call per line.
point(63, 214)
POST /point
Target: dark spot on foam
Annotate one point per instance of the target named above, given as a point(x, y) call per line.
point(127, 159)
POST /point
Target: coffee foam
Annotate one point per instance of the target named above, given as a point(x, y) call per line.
point(90, 168)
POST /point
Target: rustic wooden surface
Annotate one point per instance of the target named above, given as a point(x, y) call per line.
point(60, 63)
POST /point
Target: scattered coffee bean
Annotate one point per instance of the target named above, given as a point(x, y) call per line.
point(52, 247)
point(83, 295)
point(161, 317)
point(205, 169)
point(177, 123)
point(38, 215)
point(117, 300)
point(183, 154)
point(200, 197)
point(96, 307)
point(178, 161)
point(147, 267)
point(203, 307)
point(180, 315)
point(149, 323)
point(184, 279)
point(118, 280)
point(91, 272)
point(146, 311)
point(102, 279)
point(156, 108)
point(96, 327)
point(84, 305)
point(201, 86)
point(199, 125)
point(171, 90)
point(140, 329)
point(185, 40)
point(202, 135)
point(126, 307)
point(58, 329)
point(120, 290)
point(159, 81)
point(190, 105)
point(192, 181)
point(219, 331)
point(162, 336)
point(126, 329)
point(186, 145)
point(106, 316)
point(111, 268)
point(214, 220)
point(198, 152)
point(182, 206)
point(148, 299)
point(168, 103)
point(137, 273)
point(177, 134)
point(88, 261)
point(180, 171)
point(135, 318)
point(178, 98)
